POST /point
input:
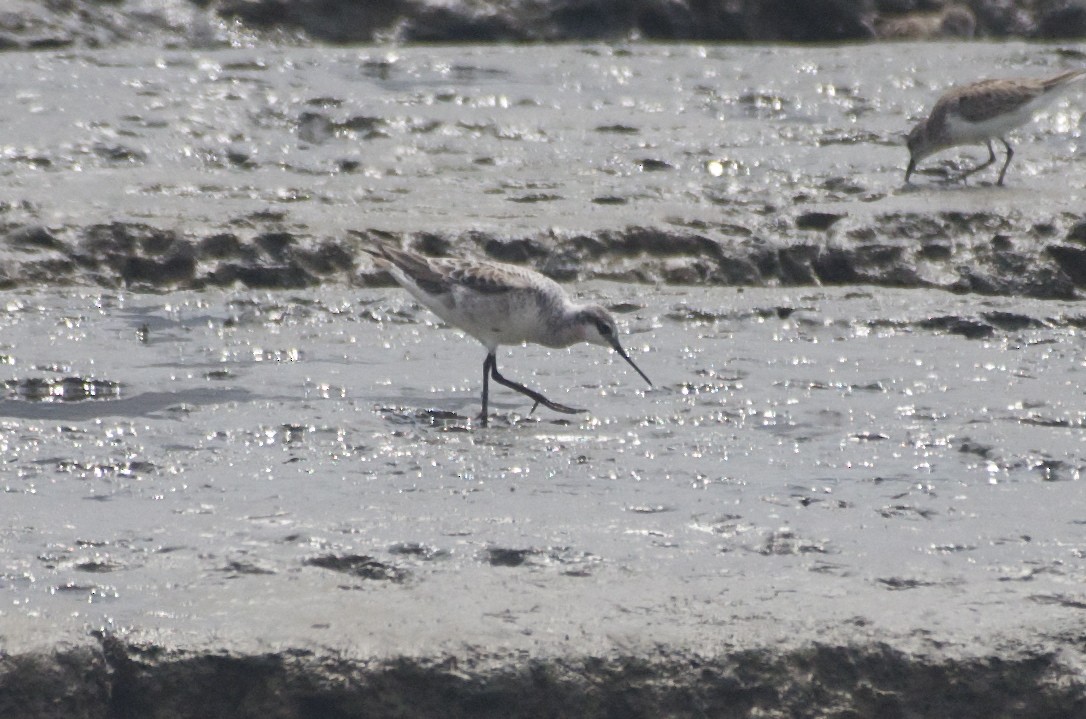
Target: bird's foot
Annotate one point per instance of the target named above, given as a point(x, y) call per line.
point(549, 404)
point(559, 407)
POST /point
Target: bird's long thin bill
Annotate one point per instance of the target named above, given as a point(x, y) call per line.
point(627, 358)
point(909, 170)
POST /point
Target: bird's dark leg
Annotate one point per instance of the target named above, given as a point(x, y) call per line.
point(1010, 154)
point(978, 168)
point(487, 364)
point(539, 399)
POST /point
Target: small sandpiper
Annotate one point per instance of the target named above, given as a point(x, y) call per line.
point(981, 112)
point(501, 304)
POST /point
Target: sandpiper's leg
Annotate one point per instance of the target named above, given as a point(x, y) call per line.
point(487, 364)
point(978, 168)
point(539, 399)
point(1010, 154)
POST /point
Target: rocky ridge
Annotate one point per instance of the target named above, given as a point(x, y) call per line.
point(29, 25)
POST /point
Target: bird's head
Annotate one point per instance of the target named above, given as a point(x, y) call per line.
point(596, 325)
point(916, 142)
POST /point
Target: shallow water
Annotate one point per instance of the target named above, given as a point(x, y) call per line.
point(839, 445)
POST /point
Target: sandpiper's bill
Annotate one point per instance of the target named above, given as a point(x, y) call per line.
point(500, 304)
point(980, 112)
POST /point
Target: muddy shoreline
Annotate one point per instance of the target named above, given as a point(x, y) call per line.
point(837, 501)
point(1010, 256)
point(28, 25)
point(115, 680)
point(654, 164)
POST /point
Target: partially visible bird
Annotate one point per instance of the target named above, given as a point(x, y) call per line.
point(500, 304)
point(980, 112)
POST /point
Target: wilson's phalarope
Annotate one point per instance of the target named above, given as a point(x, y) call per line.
point(501, 304)
point(980, 112)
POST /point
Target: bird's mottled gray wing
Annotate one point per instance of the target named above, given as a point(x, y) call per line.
point(990, 98)
point(491, 278)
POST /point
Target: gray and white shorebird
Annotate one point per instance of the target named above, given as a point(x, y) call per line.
point(980, 112)
point(500, 304)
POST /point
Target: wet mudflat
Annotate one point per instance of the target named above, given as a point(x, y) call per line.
point(685, 164)
point(302, 472)
point(243, 476)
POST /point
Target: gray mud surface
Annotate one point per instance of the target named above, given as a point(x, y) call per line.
point(242, 474)
point(845, 499)
point(658, 163)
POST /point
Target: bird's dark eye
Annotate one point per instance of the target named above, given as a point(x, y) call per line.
point(604, 329)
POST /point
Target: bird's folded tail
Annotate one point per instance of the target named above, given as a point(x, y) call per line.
point(406, 266)
point(1064, 78)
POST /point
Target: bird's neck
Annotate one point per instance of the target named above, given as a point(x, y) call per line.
point(567, 328)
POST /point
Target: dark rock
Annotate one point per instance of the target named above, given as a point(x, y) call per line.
point(517, 251)
point(897, 7)
point(797, 264)
point(970, 329)
point(1043, 229)
point(1002, 18)
point(1077, 233)
point(817, 220)
point(277, 277)
point(115, 237)
point(650, 165)
point(811, 20)
point(432, 244)
point(315, 128)
point(1015, 274)
point(1065, 21)
point(969, 446)
point(735, 270)
point(323, 19)
point(120, 153)
point(359, 565)
point(70, 682)
point(33, 237)
point(327, 258)
point(115, 244)
point(158, 242)
point(221, 246)
point(121, 679)
point(835, 266)
point(503, 557)
point(1011, 321)
point(562, 267)
point(938, 251)
point(1071, 260)
point(102, 23)
point(912, 226)
point(637, 240)
point(275, 244)
point(536, 197)
point(176, 269)
point(520, 20)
